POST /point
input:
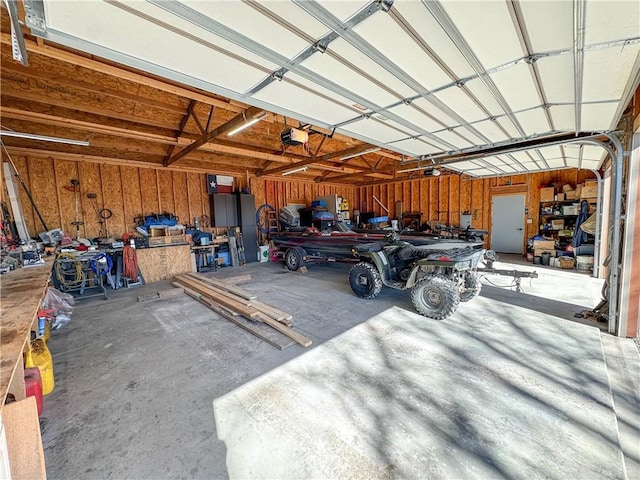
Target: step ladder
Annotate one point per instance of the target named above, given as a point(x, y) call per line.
point(273, 223)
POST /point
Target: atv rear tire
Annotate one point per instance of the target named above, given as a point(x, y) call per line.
point(365, 280)
point(435, 296)
point(472, 287)
point(293, 258)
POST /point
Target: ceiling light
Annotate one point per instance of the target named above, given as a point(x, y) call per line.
point(371, 150)
point(296, 170)
point(247, 124)
point(44, 138)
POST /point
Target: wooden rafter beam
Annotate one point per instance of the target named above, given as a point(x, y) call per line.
point(239, 119)
point(313, 159)
point(183, 123)
point(194, 115)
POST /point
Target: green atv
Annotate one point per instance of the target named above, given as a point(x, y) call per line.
point(439, 279)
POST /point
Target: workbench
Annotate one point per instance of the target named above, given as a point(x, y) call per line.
point(21, 292)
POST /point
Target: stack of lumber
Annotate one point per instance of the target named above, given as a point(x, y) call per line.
point(240, 307)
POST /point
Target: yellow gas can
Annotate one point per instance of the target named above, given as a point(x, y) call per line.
point(39, 356)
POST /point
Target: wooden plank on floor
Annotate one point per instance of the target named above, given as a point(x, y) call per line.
point(218, 296)
point(226, 287)
point(260, 330)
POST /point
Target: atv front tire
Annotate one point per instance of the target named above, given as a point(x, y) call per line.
point(471, 287)
point(435, 296)
point(365, 280)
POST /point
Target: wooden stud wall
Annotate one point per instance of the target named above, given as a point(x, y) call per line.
point(278, 193)
point(127, 191)
point(442, 199)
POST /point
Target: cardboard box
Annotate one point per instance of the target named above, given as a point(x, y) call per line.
point(544, 244)
point(573, 195)
point(567, 188)
point(557, 224)
point(560, 197)
point(589, 192)
point(546, 194)
point(539, 251)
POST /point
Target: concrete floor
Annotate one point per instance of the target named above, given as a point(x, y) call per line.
point(508, 387)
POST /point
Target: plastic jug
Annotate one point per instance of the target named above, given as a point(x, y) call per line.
point(33, 386)
point(39, 356)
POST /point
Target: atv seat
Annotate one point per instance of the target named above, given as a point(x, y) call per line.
point(369, 247)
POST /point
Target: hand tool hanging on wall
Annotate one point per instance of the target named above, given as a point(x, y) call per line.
point(76, 191)
point(103, 214)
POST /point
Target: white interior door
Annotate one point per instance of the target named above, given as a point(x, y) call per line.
point(507, 223)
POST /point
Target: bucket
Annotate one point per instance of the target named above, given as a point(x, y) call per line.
point(39, 356)
point(584, 263)
point(536, 260)
point(205, 241)
point(529, 257)
point(544, 258)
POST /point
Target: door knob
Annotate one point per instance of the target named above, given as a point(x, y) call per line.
point(520, 229)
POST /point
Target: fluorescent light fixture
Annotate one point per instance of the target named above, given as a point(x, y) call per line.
point(44, 138)
point(296, 170)
point(371, 150)
point(430, 170)
point(247, 124)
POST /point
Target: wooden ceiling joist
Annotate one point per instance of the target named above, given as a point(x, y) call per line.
point(246, 115)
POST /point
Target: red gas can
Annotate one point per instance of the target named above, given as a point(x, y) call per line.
point(33, 385)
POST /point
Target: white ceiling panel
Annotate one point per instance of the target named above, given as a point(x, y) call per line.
point(343, 9)
point(552, 151)
point(549, 24)
point(154, 44)
point(534, 121)
point(375, 129)
point(416, 117)
point(416, 147)
point(434, 111)
point(563, 117)
point(289, 96)
point(329, 67)
point(454, 139)
point(484, 96)
point(398, 46)
point(252, 24)
point(461, 103)
point(298, 17)
point(517, 86)
point(592, 152)
point(606, 72)
point(360, 60)
point(611, 20)
point(488, 29)
point(433, 35)
point(556, 162)
point(590, 164)
point(490, 130)
point(595, 115)
point(556, 75)
point(506, 123)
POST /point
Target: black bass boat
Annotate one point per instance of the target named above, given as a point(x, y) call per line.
point(302, 246)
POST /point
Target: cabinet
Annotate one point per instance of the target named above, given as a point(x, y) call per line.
point(246, 211)
point(224, 210)
point(337, 205)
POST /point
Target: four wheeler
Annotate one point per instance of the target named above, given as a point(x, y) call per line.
point(439, 279)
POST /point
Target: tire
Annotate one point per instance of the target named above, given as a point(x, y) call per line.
point(472, 287)
point(293, 258)
point(365, 280)
point(435, 297)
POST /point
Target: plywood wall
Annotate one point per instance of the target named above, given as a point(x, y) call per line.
point(442, 199)
point(127, 191)
point(132, 191)
point(278, 193)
